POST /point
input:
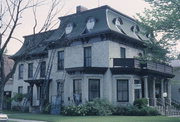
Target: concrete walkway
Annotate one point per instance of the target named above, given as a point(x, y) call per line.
point(23, 120)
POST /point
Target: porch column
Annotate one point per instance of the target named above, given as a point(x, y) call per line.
point(162, 91)
point(154, 91)
point(31, 93)
point(146, 88)
point(169, 91)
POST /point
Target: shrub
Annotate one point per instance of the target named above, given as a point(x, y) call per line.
point(99, 107)
point(18, 97)
point(135, 111)
point(47, 108)
point(95, 107)
point(73, 110)
point(140, 103)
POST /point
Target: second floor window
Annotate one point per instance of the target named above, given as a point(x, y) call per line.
point(60, 65)
point(87, 57)
point(21, 67)
point(30, 70)
point(43, 69)
point(122, 52)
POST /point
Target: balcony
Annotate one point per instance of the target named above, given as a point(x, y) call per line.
point(143, 67)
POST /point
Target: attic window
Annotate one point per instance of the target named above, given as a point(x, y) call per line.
point(148, 35)
point(90, 24)
point(118, 21)
point(69, 28)
point(135, 29)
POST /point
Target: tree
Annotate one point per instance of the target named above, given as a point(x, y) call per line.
point(162, 20)
point(11, 12)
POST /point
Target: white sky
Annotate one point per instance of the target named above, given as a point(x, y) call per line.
point(128, 7)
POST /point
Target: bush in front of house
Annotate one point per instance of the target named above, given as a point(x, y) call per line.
point(135, 111)
point(140, 103)
point(99, 107)
point(95, 107)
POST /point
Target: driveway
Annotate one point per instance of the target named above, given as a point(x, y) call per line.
point(22, 120)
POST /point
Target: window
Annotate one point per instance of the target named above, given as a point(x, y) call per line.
point(87, 56)
point(123, 52)
point(60, 60)
point(38, 92)
point(60, 90)
point(21, 68)
point(122, 91)
point(30, 70)
point(137, 89)
point(77, 92)
point(28, 89)
point(94, 89)
point(43, 69)
point(20, 89)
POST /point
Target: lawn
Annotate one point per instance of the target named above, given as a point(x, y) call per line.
point(56, 118)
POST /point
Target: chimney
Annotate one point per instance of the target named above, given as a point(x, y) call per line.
point(80, 9)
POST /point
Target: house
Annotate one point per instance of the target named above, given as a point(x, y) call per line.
point(175, 91)
point(8, 64)
point(92, 54)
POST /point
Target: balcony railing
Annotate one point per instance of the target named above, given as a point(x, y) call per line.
point(136, 63)
point(126, 63)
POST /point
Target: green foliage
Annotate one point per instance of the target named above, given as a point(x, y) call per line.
point(18, 97)
point(162, 22)
point(95, 107)
point(135, 111)
point(47, 108)
point(99, 107)
point(140, 103)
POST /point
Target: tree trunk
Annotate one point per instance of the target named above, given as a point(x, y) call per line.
point(1, 96)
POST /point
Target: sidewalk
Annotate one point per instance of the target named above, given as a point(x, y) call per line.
point(23, 120)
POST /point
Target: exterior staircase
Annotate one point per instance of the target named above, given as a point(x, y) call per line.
point(169, 109)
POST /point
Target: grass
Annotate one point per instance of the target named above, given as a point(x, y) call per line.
point(58, 118)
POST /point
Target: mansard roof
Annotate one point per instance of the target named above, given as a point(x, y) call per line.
point(107, 20)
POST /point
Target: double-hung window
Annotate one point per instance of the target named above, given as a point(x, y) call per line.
point(122, 52)
point(94, 89)
point(87, 57)
point(43, 69)
point(21, 68)
point(122, 91)
point(60, 65)
point(30, 70)
point(77, 90)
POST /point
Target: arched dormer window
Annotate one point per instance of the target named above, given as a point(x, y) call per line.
point(69, 28)
point(90, 23)
point(118, 23)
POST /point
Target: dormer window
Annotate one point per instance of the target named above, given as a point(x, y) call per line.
point(118, 21)
point(135, 29)
point(69, 28)
point(90, 24)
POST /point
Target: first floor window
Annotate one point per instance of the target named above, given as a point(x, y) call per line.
point(60, 90)
point(77, 92)
point(94, 89)
point(20, 89)
point(122, 91)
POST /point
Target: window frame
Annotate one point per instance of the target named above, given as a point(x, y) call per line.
point(60, 60)
point(30, 70)
point(87, 56)
point(123, 91)
point(43, 69)
point(98, 90)
point(21, 70)
point(79, 88)
point(20, 89)
point(122, 52)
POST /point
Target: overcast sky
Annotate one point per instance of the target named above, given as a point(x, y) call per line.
point(128, 7)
